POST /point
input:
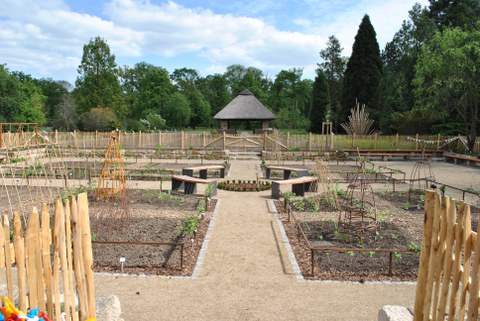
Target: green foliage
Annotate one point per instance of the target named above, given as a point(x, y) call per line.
point(414, 247)
point(445, 80)
point(190, 225)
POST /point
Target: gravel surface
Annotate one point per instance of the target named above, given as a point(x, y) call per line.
point(247, 274)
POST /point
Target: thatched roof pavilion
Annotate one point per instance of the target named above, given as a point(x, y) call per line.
point(244, 107)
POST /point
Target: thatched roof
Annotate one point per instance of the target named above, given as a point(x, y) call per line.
point(245, 107)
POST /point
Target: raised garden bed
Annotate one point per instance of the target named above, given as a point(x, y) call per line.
point(341, 254)
point(153, 217)
point(244, 185)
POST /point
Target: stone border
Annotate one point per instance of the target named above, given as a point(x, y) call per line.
point(286, 242)
point(206, 240)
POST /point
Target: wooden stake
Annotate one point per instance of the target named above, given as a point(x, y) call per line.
point(62, 250)
point(8, 257)
point(419, 310)
point(31, 257)
point(68, 235)
point(78, 260)
point(19, 246)
point(46, 235)
point(467, 259)
point(84, 220)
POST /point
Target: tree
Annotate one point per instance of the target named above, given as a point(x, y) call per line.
point(464, 14)
point(98, 84)
point(54, 92)
point(320, 102)
point(64, 116)
point(333, 68)
point(177, 111)
point(292, 95)
point(215, 90)
point(240, 78)
point(448, 77)
point(185, 80)
point(101, 119)
point(363, 73)
point(146, 87)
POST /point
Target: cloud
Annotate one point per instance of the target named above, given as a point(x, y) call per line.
point(45, 38)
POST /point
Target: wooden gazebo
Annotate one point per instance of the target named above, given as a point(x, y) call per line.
point(245, 107)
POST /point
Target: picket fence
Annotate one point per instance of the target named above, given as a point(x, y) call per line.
point(50, 264)
point(448, 278)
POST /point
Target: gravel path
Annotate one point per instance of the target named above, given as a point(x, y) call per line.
point(247, 276)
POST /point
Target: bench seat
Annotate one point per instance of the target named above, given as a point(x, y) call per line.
point(189, 184)
point(300, 185)
point(203, 170)
point(287, 171)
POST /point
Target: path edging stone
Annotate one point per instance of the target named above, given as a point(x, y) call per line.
point(286, 242)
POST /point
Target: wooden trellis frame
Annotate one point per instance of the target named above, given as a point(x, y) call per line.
point(112, 182)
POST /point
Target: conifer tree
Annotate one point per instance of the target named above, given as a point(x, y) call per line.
point(320, 102)
point(363, 73)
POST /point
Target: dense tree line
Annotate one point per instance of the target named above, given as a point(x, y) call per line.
point(425, 80)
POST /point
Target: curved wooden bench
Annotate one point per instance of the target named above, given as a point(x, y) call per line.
point(300, 185)
point(287, 171)
point(189, 184)
point(203, 170)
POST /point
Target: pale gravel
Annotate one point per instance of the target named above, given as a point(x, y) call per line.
point(247, 274)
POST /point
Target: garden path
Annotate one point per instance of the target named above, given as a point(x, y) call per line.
point(247, 276)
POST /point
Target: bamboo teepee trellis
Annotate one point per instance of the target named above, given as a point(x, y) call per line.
point(112, 182)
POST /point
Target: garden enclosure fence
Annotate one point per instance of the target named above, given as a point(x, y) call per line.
point(448, 276)
point(210, 140)
point(50, 262)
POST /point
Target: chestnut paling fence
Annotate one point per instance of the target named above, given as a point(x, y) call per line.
point(448, 277)
point(210, 140)
point(50, 263)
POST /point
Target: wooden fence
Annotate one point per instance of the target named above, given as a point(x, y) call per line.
point(448, 278)
point(48, 262)
point(276, 141)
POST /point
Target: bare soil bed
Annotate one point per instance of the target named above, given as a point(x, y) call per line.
point(400, 223)
point(153, 217)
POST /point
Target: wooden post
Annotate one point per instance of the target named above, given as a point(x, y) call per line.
point(139, 139)
point(396, 141)
point(183, 140)
point(75, 138)
point(438, 141)
point(331, 141)
point(375, 141)
point(224, 141)
point(1, 135)
point(424, 257)
point(78, 260)
point(288, 140)
point(96, 139)
point(160, 138)
point(46, 236)
point(265, 141)
point(55, 137)
point(353, 140)
point(416, 141)
point(309, 141)
point(84, 220)
point(204, 139)
point(8, 257)
point(19, 247)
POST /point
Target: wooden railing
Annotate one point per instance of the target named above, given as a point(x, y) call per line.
point(46, 261)
point(448, 277)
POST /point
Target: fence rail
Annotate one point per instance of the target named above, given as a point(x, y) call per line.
point(211, 140)
point(49, 261)
point(448, 277)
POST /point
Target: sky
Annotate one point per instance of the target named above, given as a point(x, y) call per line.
point(45, 38)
